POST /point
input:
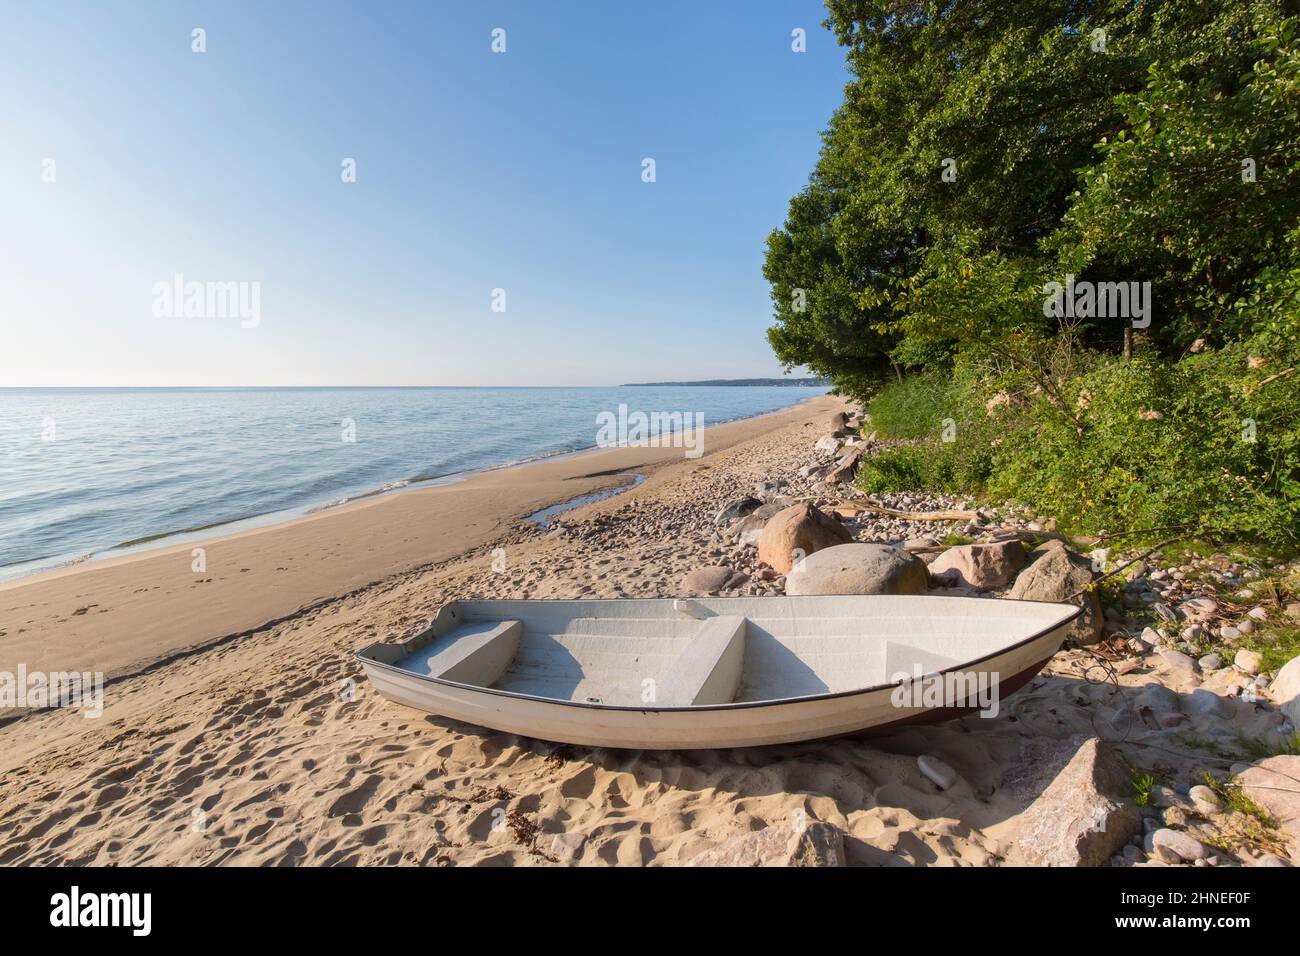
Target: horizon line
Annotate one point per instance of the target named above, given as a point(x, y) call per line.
point(697, 383)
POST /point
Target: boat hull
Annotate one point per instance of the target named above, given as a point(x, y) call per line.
point(742, 724)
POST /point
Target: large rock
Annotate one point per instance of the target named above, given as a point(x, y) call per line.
point(1084, 816)
point(711, 580)
point(1272, 784)
point(1055, 574)
point(798, 531)
point(1285, 689)
point(747, 528)
point(737, 508)
point(845, 468)
point(858, 569)
point(828, 443)
point(817, 844)
point(981, 566)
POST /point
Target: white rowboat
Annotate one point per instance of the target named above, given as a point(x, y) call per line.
point(713, 672)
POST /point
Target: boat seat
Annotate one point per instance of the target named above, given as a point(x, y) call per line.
point(477, 653)
point(708, 671)
point(915, 662)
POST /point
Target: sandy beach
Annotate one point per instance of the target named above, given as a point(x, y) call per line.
point(238, 730)
point(119, 614)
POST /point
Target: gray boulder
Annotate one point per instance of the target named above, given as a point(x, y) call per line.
point(817, 844)
point(1285, 689)
point(846, 468)
point(737, 508)
point(1055, 574)
point(828, 443)
point(1271, 783)
point(1084, 816)
point(858, 569)
point(753, 522)
point(980, 566)
point(710, 580)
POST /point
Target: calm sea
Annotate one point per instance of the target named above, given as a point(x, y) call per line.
point(89, 471)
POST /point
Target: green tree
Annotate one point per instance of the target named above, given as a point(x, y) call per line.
point(967, 133)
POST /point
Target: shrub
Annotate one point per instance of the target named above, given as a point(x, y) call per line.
point(1211, 442)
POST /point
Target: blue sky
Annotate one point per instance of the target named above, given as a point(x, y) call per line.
point(475, 171)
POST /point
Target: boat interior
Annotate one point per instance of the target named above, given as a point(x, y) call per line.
point(709, 651)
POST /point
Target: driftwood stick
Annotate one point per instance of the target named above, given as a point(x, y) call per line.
point(1146, 554)
point(951, 515)
point(1125, 534)
point(1274, 378)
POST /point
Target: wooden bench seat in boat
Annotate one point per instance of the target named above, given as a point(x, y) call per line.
point(708, 670)
point(913, 661)
point(476, 653)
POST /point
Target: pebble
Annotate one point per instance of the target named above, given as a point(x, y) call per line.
point(1208, 702)
point(1249, 661)
point(1165, 611)
point(1159, 698)
point(1210, 662)
point(1171, 846)
point(1178, 662)
point(1230, 633)
point(1199, 607)
point(936, 771)
point(1205, 800)
point(1258, 613)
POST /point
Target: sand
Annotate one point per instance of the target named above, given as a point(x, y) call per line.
point(269, 747)
point(118, 614)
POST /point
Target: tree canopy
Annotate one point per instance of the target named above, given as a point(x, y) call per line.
point(983, 150)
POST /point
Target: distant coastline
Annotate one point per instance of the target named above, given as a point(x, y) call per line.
point(812, 382)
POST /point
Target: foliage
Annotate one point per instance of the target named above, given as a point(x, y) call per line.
point(909, 409)
point(898, 264)
point(1121, 445)
point(1119, 162)
point(1143, 783)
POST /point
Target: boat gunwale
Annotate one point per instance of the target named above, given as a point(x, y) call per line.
point(734, 705)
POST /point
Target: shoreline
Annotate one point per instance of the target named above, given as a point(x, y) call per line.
point(231, 526)
point(121, 613)
point(274, 738)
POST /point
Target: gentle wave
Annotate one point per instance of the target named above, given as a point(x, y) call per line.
point(133, 468)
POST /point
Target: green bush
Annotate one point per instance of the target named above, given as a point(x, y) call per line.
point(1207, 442)
point(914, 407)
point(1196, 442)
point(941, 413)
